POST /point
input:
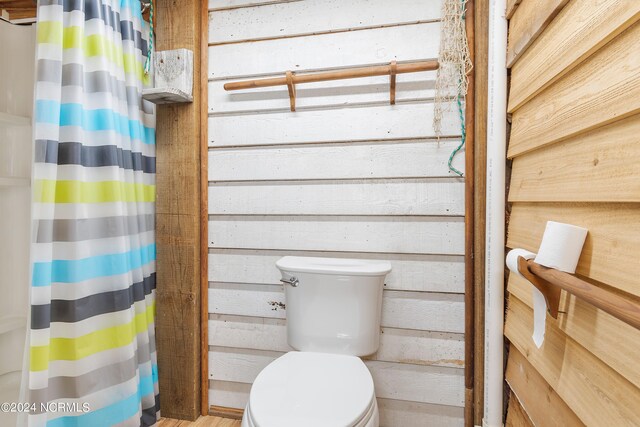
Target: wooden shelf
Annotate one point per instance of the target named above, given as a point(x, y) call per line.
point(6, 181)
point(11, 323)
point(13, 119)
point(166, 96)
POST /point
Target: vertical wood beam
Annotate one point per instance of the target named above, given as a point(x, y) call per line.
point(178, 217)
point(204, 207)
point(469, 226)
point(481, 40)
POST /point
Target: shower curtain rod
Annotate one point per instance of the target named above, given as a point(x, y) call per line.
point(290, 79)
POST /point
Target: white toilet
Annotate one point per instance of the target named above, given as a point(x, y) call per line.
point(333, 316)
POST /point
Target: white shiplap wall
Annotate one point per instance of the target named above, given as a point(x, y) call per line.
point(347, 175)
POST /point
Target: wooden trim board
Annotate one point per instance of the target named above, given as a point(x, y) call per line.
point(222, 411)
point(203, 421)
point(469, 228)
point(204, 212)
point(481, 36)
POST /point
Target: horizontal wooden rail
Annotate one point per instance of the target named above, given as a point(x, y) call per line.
point(349, 73)
point(290, 79)
point(550, 281)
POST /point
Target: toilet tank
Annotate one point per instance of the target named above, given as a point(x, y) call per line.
point(333, 305)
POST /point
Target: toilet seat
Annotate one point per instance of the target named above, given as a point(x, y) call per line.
point(312, 389)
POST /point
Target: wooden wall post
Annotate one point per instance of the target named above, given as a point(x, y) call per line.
point(469, 231)
point(178, 221)
point(204, 207)
point(481, 36)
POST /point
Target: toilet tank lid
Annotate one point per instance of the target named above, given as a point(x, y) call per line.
point(343, 266)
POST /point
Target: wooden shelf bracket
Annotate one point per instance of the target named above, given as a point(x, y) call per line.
point(290, 79)
point(550, 282)
point(393, 69)
point(292, 90)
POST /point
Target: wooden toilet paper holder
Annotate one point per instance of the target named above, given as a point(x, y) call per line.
point(550, 282)
point(551, 293)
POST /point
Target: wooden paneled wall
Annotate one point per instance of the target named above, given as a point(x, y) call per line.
point(347, 175)
point(575, 144)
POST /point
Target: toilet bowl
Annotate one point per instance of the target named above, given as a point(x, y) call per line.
point(333, 308)
point(312, 390)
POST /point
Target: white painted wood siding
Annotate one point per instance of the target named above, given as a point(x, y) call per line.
point(428, 273)
point(324, 52)
point(346, 176)
point(316, 17)
point(400, 309)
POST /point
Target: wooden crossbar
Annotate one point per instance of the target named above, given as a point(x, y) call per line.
point(290, 79)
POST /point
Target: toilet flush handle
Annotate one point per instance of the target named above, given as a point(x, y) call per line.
point(291, 281)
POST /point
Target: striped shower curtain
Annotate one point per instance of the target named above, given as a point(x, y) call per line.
point(92, 357)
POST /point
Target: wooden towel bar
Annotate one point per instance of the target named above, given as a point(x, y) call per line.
point(290, 79)
point(550, 281)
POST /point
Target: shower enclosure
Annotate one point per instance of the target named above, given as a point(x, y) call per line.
point(17, 51)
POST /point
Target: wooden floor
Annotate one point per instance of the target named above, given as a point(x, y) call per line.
point(207, 421)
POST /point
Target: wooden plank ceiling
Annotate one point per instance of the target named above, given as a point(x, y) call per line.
point(17, 10)
point(24, 11)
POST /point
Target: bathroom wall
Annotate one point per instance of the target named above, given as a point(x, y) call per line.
point(575, 145)
point(347, 175)
point(17, 50)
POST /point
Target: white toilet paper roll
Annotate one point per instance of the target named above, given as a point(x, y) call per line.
point(512, 259)
point(539, 317)
point(561, 246)
point(539, 303)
